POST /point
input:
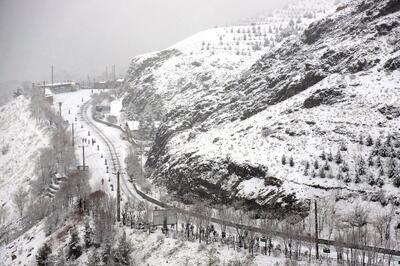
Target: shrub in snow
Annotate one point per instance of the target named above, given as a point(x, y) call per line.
point(94, 259)
point(378, 161)
point(307, 167)
point(323, 156)
point(357, 178)
point(5, 149)
point(347, 178)
point(313, 174)
point(369, 141)
point(343, 146)
point(330, 174)
point(201, 247)
point(379, 182)
point(112, 119)
point(283, 159)
point(88, 238)
point(361, 139)
point(345, 167)
point(122, 253)
point(316, 165)
point(381, 171)
point(291, 162)
point(326, 166)
point(339, 176)
point(371, 180)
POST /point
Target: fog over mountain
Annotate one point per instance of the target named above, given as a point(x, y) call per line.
point(82, 37)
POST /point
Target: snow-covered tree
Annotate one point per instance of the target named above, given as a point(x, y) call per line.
point(306, 168)
point(316, 165)
point(330, 156)
point(361, 170)
point(330, 174)
point(88, 238)
point(379, 182)
point(357, 178)
point(321, 173)
point(369, 141)
point(107, 255)
point(42, 258)
point(323, 156)
point(122, 253)
point(381, 171)
point(313, 174)
point(283, 159)
point(338, 157)
point(74, 246)
point(378, 161)
point(345, 167)
point(392, 168)
point(370, 160)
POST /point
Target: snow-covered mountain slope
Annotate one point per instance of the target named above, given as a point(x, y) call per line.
point(198, 67)
point(320, 92)
point(21, 140)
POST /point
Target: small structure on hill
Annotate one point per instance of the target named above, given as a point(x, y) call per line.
point(48, 95)
point(61, 87)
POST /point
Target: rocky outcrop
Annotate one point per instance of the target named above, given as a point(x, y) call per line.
point(392, 63)
point(327, 96)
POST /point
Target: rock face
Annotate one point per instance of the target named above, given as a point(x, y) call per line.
point(226, 139)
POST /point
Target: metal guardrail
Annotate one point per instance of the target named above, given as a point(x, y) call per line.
point(271, 232)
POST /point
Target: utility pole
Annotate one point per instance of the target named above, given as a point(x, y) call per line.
point(316, 230)
point(118, 199)
point(59, 106)
point(52, 74)
point(73, 137)
point(141, 159)
point(114, 73)
point(83, 157)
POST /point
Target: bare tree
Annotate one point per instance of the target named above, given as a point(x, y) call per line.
point(20, 198)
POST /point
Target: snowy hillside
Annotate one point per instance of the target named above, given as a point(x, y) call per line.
point(198, 67)
point(253, 138)
point(19, 151)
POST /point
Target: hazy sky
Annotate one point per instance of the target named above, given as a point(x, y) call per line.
point(81, 37)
